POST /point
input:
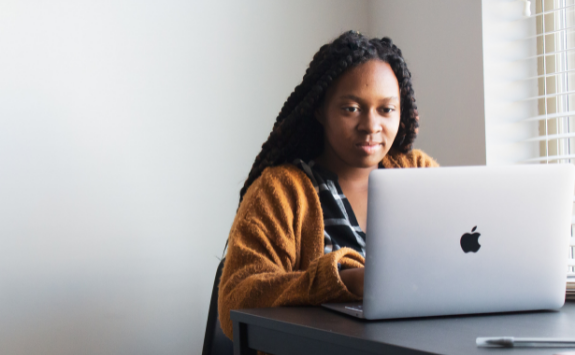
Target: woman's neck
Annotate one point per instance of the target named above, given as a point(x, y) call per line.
point(347, 175)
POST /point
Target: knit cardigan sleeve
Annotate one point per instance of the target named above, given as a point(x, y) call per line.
point(275, 254)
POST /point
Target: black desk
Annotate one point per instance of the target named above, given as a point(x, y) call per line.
point(314, 330)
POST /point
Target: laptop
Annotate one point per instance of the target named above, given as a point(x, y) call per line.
point(464, 240)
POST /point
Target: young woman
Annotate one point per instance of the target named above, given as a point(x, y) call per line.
point(298, 236)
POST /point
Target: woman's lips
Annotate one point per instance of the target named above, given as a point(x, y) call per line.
point(369, 147)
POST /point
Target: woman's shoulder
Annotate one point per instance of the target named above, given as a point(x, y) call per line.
point(284, 184)
point(415, 158)
point(283, 176)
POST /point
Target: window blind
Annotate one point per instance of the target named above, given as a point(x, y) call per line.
point(552, 128)
point(529, 69)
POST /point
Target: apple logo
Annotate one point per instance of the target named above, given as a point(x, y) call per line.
point(469, 241)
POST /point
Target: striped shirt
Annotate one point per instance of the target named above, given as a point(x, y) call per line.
point(340, 225)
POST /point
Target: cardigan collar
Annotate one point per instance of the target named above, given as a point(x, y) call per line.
point(393, 159)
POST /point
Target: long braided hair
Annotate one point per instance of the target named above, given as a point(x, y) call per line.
point(296, 132)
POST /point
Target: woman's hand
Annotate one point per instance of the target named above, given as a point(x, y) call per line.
point(353, 280)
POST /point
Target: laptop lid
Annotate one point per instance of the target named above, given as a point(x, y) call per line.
point(515, 225)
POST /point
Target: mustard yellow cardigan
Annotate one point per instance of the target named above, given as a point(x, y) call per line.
point(276, 254)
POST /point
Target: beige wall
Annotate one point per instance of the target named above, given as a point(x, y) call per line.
point(442, 43)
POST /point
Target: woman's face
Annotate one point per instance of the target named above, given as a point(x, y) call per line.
point(360, 115)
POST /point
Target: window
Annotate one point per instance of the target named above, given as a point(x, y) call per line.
point(555, 26)
point(529, 66)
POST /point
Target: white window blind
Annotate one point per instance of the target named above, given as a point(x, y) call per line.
point(529, 64)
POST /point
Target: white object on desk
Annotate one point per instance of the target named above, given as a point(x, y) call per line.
point(509, 342)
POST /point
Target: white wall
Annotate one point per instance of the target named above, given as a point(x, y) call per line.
point(128, 127)
point(442, 43)
point(126, 131)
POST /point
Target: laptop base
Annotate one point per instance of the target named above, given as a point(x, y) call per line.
point(354, 309)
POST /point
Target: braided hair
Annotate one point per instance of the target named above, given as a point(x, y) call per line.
point(297, 134)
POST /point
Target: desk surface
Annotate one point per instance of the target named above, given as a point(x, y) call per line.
point(297, 330)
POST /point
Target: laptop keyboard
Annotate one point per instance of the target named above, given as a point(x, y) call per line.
point(358, 308)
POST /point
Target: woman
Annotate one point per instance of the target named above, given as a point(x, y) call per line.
point(298, 238)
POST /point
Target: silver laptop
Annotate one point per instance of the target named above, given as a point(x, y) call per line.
point(464, 240)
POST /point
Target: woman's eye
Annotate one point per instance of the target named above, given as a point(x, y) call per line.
point(351, 109)
point(388, 109)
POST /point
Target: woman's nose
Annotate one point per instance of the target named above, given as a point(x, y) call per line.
point(370, 122)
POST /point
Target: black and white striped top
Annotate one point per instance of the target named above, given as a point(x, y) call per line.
point(340, 225)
